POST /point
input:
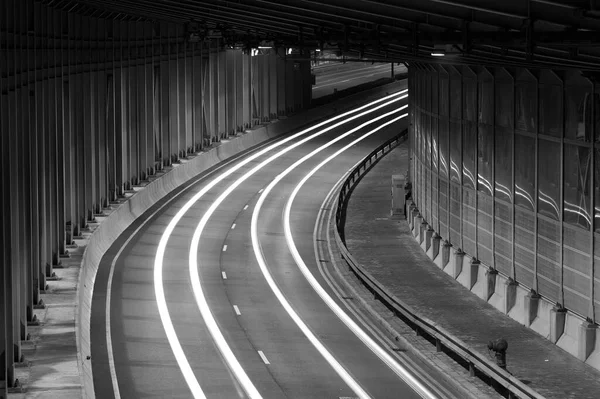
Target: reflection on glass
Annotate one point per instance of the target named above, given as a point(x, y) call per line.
point(469, 176)
point(524, 171)
point(521, 193)
point(502, 189)
point(434, 154)
point(597, 190)
point(484, 183)
point(577, 190)
point(578, 213)
point(546, 199)
point(549, 181)
point(504, 165)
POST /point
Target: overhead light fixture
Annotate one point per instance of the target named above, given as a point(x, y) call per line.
point(263, 47)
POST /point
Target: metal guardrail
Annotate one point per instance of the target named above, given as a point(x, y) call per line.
point(513, 386)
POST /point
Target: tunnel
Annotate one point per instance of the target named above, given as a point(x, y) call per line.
point(112, 110)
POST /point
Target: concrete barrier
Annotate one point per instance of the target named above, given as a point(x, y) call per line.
point(120, 219)
point(567, 330)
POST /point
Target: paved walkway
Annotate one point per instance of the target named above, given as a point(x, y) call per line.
point(387, 250)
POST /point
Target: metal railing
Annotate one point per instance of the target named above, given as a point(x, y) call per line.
point(476, 362)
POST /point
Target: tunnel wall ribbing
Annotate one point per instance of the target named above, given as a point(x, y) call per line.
point(90, 108)
point(506, 166)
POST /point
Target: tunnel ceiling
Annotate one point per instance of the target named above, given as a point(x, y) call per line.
point(533, 33)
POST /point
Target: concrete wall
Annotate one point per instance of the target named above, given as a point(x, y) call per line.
point(92, 107)
point(506, 171)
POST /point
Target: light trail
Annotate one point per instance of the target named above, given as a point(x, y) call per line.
point(159, 292)
point(364, 337)
point(194, 266)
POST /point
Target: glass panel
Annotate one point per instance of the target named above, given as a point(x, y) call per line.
point(551, 109)
point(579, 108)
point(455, 151)
point(526, 106)
point(455, 96)
point(443, 95)
point(470, 99)
point(434, 144)
point(486, 102)
point(444, 148)
point(549, 179)
point(504, 164)
point(597, 190)
point(504, 103)
point(469, 154)
point(485, 148)
point(577, 191)
point(434, 92)
point(524, 171)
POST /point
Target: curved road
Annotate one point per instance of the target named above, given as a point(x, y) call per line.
point(342, 76)
point(239, 317)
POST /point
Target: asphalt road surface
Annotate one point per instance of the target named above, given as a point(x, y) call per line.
point(206, 299)
point(342, 76)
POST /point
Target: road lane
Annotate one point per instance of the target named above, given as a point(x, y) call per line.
point(260, 331)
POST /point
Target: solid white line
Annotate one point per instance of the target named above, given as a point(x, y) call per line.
point(233, 226)
point(224, 275)
point(263, 357)
point(341, 371)
point(109, 347)
point(225, 248)
point(245, 207)
point(371, 344)
point(201, 301)
point(237, 310)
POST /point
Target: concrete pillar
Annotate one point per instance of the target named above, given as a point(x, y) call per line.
point(435, 242)
point(458, 262)
point(473, 272)
point(446, 246)
point(586, 340)
point(6, 302)
point(428, 234)
point(510, 294)
point(491, 278)
point(531, 305)
point(558, 317)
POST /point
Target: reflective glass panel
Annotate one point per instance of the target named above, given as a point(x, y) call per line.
point(549, 178)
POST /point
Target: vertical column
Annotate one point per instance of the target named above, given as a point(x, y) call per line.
point(100, 197)
point(79, 127)
point(273, 80)
point(149, 95)
point(111, 133)
point(247, 90)
point(6, 306)
point(120, 109)
point(131, 96)
point(67, 132)
point(182, 104)
point(59, 228)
